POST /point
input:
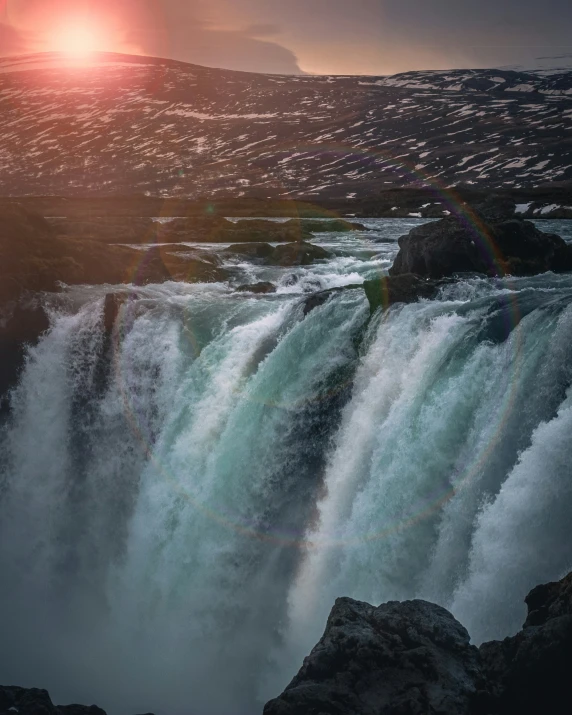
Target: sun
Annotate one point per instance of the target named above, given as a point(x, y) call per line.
point(78, 40)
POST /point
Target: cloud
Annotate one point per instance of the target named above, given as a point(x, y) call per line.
point(262, 30)
point(568, 55)
point(239, 51)
point(191, 33)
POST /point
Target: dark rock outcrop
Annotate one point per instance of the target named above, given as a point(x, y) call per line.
point(407, 288)
point(299, 254)
point(221, 230)
point(414, 658)
point(450, 246)
point(495, 207)
point(315, 300)
point(21, 324)
point(262, 287)
point(34, 258)
point(256, 251)
point(529, 673)
point(151, 268)
point(408, 658)
point(330, 226)
point(33, 701)
point(191, 229)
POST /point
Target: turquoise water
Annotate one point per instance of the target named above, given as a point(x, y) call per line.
point(181, 505)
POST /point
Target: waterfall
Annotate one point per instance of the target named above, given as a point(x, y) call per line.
point(182, 501)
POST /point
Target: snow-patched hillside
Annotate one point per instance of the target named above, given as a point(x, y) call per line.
point(127, 124)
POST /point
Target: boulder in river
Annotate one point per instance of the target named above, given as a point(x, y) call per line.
point(220, 230)
point(299, 254)
point(256, 251)
point(261, 288)
point(451, 246)
point(329, 226)
point(407, 288)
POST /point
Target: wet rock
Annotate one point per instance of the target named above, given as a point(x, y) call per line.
point(450, 246)
point(549, 601)
point(316, 300)
point(407, 288)
point(109, 229)
point(193, 267)
point(219, 230)
point(33, 701)
point(112, 305)
point(33, 258)
point(528, 251)
point(299, 254)
point(291, 279)
point(261, 231)
point(331, 226)
point(251, 250)
point(529, 673)
point(409, 658)
point(25, 253)
point(495, 207)
point(262, 287)
point(79, 710)
point(21, 325)
point(151, 268)
point(415, 658)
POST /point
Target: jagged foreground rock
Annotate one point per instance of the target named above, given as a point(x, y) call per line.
point(410, 657)
point(414, 658)
point(33, 701)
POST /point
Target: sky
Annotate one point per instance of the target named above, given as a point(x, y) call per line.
point(312, 36)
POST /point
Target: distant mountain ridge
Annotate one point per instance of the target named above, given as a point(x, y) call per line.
point(129, 124)
point(557, 83)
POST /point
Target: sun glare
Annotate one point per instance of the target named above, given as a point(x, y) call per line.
point(78, 41)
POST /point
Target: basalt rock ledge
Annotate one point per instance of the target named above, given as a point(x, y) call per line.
point(414, 658)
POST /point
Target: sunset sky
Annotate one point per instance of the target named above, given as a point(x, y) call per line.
point(314, 36)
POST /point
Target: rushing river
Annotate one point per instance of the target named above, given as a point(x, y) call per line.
point(181, 505)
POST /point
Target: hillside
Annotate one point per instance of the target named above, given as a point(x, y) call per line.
point(130, 124)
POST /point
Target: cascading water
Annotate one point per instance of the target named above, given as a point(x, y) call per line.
point(182, 502)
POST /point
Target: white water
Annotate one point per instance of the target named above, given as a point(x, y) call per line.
point(180, 509)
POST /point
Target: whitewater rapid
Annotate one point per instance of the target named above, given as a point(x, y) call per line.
point(182, 502)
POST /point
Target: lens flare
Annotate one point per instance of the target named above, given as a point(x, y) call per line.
point(78, 40)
